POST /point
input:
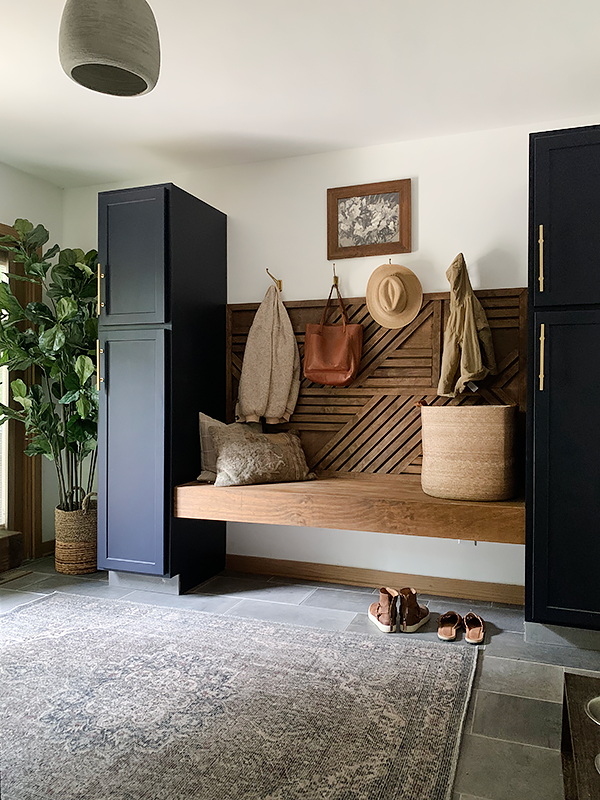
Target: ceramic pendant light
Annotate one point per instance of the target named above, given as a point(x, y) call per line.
point(110, 46)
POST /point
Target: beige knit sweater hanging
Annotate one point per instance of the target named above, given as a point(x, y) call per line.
point(468, 353)
point(270, 379)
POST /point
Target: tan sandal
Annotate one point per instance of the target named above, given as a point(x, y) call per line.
point(474, 627)
point(448, 625)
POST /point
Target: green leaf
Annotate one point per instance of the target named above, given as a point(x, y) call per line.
point(52, 339)
point(10, 413)
point(51, 252)
point(21, 277)
point(83, 406)
point(63, 275)
point(84, 268)
point(91, 257)
point(37, 237)
point(70, 397)
point(39, 313)
point(84, 367)
point(9, 302)
point(71, 381)
point(40, 446)
point(66, 308)
point(67, 258)
point(36, 393)
point(19, 391)
point(34, 266)
point(22, 226)
point(18, 388)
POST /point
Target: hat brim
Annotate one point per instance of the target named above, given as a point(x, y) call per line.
point(414, 296)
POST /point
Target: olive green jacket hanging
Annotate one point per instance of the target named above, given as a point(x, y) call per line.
point(468, 353)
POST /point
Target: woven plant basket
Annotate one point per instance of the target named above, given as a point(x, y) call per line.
point(75, 550)
point(468, 452)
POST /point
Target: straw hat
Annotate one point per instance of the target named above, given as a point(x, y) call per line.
point(394, 295)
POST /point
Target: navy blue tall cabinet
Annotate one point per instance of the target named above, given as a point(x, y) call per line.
point(563, 497)
point(162, 303)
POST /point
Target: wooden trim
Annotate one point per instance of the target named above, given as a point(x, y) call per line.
point(355, 576)
point(25, 473)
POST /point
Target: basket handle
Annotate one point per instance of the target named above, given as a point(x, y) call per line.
point(85, 505)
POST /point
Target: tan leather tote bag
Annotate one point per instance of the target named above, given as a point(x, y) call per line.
point(332, 353)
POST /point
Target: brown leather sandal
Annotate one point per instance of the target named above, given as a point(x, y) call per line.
point(412, 615)
point(384, 613)
point(474, 627)
point(448, 625)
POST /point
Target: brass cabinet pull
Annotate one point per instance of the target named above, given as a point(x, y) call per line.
point(100, 304)
point(99, 380)
point(541, 258)
point(542, 341)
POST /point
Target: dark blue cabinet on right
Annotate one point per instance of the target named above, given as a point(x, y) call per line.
point(163, 294)
point(563, 418)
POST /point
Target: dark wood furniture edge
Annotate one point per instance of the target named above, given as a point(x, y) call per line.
point(358, 576)
point(321, 302)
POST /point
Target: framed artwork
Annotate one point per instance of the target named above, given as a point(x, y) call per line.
point(372, 219)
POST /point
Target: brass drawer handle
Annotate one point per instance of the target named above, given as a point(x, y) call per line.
point(100, 304)
point(99, 380)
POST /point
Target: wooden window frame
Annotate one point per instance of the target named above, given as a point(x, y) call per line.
point(24, 472)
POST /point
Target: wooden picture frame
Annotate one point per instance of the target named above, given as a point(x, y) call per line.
point(371, 219)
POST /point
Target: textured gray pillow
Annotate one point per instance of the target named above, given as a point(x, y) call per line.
point(208, 453)
point(245, 457)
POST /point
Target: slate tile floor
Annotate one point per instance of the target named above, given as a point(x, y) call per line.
point(511, 741)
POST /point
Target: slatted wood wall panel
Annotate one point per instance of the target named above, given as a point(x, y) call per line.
point(373, 425)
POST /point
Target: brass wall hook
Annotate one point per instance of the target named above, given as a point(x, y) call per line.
point(336, 280)
point(278, 283)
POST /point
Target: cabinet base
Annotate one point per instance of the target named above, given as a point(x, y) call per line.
point(144, 583)
point(538, 633)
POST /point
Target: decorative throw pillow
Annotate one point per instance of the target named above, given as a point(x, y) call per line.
point(208, 453)
point(245, 457)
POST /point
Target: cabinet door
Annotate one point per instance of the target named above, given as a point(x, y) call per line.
point(132, 253)
point(564, 215)
point(565, 536)
point(131, 452)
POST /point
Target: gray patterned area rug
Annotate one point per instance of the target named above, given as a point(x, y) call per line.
point(111, 700)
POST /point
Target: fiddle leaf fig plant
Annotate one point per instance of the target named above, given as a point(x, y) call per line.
point(57, 337)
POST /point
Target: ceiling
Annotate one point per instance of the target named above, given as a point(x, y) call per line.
point(252, 80)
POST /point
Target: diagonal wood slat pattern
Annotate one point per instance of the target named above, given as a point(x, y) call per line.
point(373, 425)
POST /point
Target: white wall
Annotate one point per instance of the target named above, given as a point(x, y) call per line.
point(469, 195)
point(24, 196)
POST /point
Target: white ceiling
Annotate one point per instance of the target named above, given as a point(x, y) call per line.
point(250, 80)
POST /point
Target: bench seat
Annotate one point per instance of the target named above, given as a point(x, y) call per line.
point(356, 501)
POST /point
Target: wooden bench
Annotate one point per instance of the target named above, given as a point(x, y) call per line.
point(356, 501)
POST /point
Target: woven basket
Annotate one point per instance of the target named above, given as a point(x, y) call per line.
point(468, 452)
point(75, 550)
